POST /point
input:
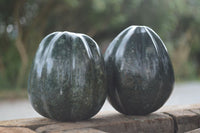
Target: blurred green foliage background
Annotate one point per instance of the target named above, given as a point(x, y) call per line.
point(23, 24)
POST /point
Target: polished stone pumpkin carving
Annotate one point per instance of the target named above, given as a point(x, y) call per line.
point(67, 80)
point(139, 71)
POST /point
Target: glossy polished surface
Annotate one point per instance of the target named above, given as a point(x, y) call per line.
point(67, 79)
point(139, 71)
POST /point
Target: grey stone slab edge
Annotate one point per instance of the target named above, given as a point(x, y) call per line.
point(174, 121)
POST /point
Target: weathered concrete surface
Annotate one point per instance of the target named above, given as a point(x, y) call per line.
point(112, 123)
point(185, 120)
point(85, 130)
point(15, 130)
point(32, 123)
point(118, 123)
point(194, 131)
point(153, 123)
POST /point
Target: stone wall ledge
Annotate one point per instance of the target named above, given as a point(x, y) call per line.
point(174, 119)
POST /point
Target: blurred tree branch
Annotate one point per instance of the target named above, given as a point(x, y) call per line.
point(2, 67)
point(19, 43)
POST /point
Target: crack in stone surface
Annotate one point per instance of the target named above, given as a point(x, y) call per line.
point(175, 121)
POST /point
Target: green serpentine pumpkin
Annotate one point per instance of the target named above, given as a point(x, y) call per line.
point(67, 80)
point(139, 71)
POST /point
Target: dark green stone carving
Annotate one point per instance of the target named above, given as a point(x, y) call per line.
point(67, 80)
point(139, 71)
